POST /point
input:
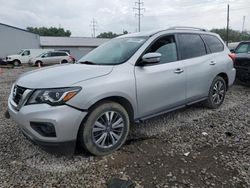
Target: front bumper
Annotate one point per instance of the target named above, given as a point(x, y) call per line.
point(65, 119)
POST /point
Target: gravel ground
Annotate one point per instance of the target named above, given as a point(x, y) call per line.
point(191, 147)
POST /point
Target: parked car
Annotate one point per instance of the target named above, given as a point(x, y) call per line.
point(54, 57)
point(128, 79)
point(2, 61)
point(24, 56)
point(242, 61)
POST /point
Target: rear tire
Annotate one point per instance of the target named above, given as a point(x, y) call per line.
point(217, 93)
point(64, 61)
point(105, 129)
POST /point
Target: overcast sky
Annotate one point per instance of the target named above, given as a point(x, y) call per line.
point(118, 15)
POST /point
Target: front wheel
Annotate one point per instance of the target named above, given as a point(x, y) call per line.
point(16, 63)
point(217, 93)
point(105, 129)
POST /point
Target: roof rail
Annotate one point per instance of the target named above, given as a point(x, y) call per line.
point(187, 28)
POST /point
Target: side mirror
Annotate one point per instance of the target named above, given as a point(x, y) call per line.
point(151, 58)
point(42, 56)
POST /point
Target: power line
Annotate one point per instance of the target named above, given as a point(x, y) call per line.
point(93, 25)
point(139, 8)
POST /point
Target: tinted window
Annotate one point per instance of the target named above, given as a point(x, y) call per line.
point(214, 44)
point(166, 46)
point(62, 54)
point(243, 48)
point(53, 54)
point(191, 45)
point(59, 54)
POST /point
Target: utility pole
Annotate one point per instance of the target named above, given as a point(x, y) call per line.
point(243, 24)
point(93, 25)
point(227, 23)
point(139, 8)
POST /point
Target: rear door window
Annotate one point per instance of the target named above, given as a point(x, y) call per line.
point(191, 45)
point(214, 44)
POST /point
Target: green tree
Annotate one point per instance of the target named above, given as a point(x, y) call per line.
point(52, 31)
point(233, 35)
point(110, 34)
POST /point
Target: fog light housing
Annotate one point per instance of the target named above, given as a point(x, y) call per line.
point(44, 128)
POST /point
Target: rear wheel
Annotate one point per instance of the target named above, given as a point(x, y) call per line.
point(105, 129)
point(217, 93)
point(64, 61)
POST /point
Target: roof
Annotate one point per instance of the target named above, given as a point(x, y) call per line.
point(153, 32)
point(17, 28)
point(72, 41)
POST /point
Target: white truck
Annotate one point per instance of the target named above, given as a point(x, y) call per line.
point(25, 55)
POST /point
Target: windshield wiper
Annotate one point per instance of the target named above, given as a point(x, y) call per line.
point(87, 62)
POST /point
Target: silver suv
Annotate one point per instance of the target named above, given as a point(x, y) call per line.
point(128, 79)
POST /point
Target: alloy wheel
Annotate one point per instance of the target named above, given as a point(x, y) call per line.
point(108, 129)
point(218, 92)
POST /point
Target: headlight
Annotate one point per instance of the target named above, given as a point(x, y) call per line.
point(53, 96)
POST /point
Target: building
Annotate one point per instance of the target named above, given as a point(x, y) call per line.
point(13, 39)
point(77, 46)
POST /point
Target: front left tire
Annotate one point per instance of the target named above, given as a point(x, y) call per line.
point(105, 130)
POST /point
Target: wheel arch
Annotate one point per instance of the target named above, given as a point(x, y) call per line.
point(225, 77)
point(118, 99)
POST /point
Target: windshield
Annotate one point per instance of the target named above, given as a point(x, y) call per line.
point(19, 53)
point(114, 52)
point(40, 55)
point(243, 48)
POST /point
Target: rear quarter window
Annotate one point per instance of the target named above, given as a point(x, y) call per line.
point(191, 45)
point(213, 43)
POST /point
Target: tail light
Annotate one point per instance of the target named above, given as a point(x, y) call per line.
point(232, 56)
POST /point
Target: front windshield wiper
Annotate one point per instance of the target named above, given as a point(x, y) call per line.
point(87, 62)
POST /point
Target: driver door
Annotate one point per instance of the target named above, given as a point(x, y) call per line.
point(25, 56)
point(161, 86)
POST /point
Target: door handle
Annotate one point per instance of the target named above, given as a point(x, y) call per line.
point(212, 63)
point(178, 71)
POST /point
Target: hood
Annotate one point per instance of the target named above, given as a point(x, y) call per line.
point(243, 55)
point(61, 75)
point(14, 56)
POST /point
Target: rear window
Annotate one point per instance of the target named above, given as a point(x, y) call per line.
point(214, 44)
point(191, 45)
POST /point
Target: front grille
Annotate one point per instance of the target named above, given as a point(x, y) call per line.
point(18, 93)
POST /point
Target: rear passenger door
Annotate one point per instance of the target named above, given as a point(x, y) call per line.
point(199, 66)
